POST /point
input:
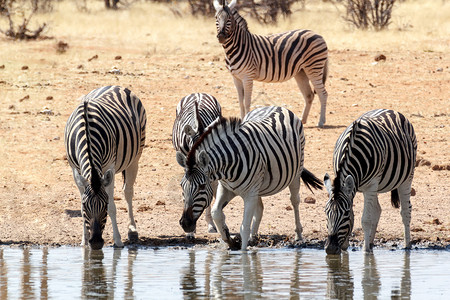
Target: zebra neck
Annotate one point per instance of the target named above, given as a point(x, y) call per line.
point(224, 160)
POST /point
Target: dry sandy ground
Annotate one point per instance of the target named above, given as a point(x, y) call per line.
point(39, 88)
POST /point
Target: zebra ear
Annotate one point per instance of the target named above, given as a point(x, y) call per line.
point(217, 5)
point(189, 131)
point(181, 159)
point(108, 178)
point(202, 159)
point(232, 4)
point(349, 184)
point(79, 180)
point(327, 182)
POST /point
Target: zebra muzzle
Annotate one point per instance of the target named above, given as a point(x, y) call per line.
point(221, 37)
point(96, 241)
point(332, 245)
point(187, 221)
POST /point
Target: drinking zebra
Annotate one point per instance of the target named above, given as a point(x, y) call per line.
point(301, 54)
point(256, 157)
point(195, 112)
point(375, 154)
point(105, 135)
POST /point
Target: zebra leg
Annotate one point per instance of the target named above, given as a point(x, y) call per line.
point(223, 197)
point(81, 185)
point(248, 89)
point(208, 217)
point(404, 193)
point(303, 84)
point(112, 213)
point(257, 216)
point(240, 89)
point(319, 87)
point(129, 177)
point(250, 206)
point(294, 189)
point(370, 217)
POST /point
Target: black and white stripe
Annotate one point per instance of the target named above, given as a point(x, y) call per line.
point(301, 54)
point(375, 154)
point(105, 135)
point(256, 157)
point(194, 113)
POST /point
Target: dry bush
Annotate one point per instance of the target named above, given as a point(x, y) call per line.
point(265, 11)
point(16, 12)
point(369, 13)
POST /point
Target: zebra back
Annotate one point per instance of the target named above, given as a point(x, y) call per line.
point(380, 144)
point(195, 111)
point(107, 127)
point(269, 140)
point(274, 58)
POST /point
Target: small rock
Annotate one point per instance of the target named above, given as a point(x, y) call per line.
point(439, 70)
point(380, 57)
point(436, 168)
point(24, 67)
point(310, 200)
point(24, 98)
point(80, 67)
point(436, 222)
point(2, 66)
point(61, 47)
point(115, 70)
point(288, 207)
point(93, 57)
point(49, 98)
point(118, 57)
point(159, 202)
point(413, 192)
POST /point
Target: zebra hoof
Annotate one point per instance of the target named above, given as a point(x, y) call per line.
point(212, 229)
point(190, 236)
point(320, 125)
point(133, 236)
point(235, 243)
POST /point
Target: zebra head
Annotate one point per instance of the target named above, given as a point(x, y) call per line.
point(225, 21)
point(196, 186)
point(95, 205)
point(339, 211)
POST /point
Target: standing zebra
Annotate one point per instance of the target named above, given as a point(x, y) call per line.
point(375, 154)
point(194, 113)
point(105, 135)
point(253, 158)
point(301, 54)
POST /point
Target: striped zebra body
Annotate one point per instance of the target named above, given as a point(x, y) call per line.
point(257, 157)
point(375, 154)
point(105, 135)
point(194, 113)
point(301, 54)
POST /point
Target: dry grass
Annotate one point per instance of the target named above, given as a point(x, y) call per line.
point(416, 25)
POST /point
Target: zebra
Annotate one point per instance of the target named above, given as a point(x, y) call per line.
point(375, 154)
point(193, 114)
point(301, 54)
point(103, 136)
point(256, 157)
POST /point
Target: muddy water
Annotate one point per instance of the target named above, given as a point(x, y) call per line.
point(71, 272)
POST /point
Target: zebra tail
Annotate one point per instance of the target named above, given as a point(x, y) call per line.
point(311, 180)
point(395, 200)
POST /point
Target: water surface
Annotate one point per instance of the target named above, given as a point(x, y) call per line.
point(167, 273)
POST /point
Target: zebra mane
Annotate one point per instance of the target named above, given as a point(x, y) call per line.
point(348, 141)
point(240, 21)
point(233, 123)
point(95, 177)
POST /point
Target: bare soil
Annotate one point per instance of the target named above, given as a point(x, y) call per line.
point(39, 88)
